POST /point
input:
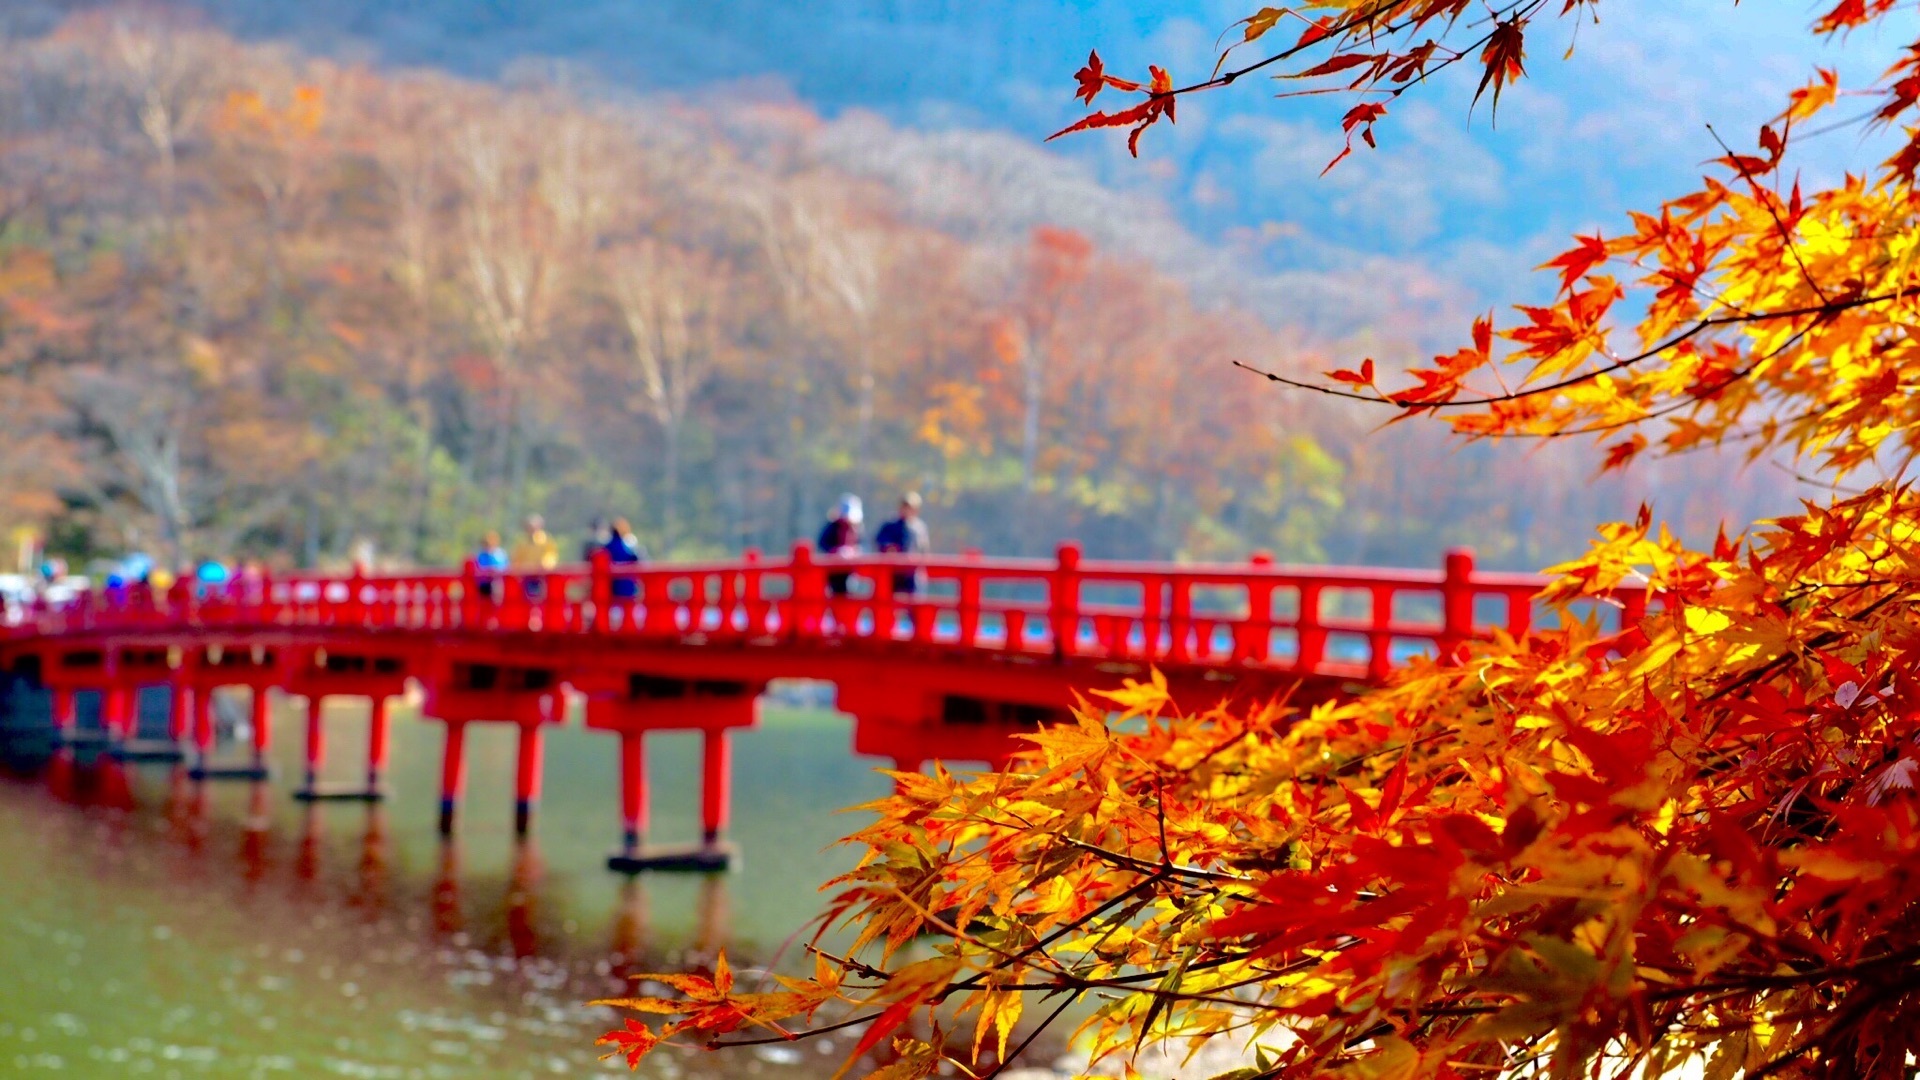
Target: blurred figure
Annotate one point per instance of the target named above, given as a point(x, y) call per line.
point(252, 582)
point(841, 536)
point(904, 535)
point(624, 549)
point(135, 568)
point(597, 536)
point(489, 561)
point(212, 573)
point(535, 550)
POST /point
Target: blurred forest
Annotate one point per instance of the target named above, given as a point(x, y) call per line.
point(257, 301)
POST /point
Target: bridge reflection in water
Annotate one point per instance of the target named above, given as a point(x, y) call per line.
point(312, 861)
point(484, 932)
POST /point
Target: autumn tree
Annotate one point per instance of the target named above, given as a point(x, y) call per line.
point(668, 299)
point(1056, 262)
point(1675, 831)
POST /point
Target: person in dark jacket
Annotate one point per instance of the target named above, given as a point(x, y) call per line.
point(841, 536)
point(904, 535)
point(625, 549)
point(597, 536)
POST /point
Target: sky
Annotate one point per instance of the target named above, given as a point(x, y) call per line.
point(1446, 217)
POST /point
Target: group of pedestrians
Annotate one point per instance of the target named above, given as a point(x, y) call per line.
point(905, 534)
point(536, 549)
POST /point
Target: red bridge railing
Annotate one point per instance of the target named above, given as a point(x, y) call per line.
point(1310, 619)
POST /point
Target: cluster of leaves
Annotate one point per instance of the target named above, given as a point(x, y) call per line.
point(1679, 839)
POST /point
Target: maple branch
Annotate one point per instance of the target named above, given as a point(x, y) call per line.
point(797, 1036)
point(1334, 32)
point(1760, 196)
point(1821, 312)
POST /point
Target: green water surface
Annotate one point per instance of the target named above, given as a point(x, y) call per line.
point(151, 927)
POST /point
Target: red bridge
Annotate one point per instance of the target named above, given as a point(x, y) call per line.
point(980, 650)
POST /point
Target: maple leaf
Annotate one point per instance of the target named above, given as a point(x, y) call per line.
point(633, 1041)
point(1502, 57)
point(1575, 263)
point(1260, 22)
point(1093, 78)
point(1361, 116)
point(1362, 377)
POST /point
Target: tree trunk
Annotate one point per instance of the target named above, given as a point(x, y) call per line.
point(670, 485)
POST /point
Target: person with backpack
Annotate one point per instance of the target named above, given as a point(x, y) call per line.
point(905, 535)
point(841, 536)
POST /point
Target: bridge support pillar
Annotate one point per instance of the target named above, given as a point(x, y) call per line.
point(116, 713)
point(254, 771)
point(453, 773)
point(316, 740)
point(526, 778)
point(180, 712)
point(632, 704)
point(633, 793)
point(462, 693)
point(66, 715)
point(376, 744)
point(169, 748)
point(203, 729)
point(716, 785)
point(261, 720)
point(314, 790)
point(347, 671)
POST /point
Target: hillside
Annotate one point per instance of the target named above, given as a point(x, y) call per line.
point(254, 300)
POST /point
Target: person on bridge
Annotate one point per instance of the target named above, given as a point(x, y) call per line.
point(597, 536)
point(625, 549)
point(490, 560)
point(536, 550)
point(904, 535)
point(841, 536)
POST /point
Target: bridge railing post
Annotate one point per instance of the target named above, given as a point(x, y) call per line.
point(470, 593)
point(180, 600)
point(1311, 635)
point(1456, 600)
point(885, 613)
point(553, 600)
point(600, 590)
point(356, 605)
point(809, 597)
point(269, 606)
point(1063, 600)
point(1380, 632)
point(969, 599)
point(1254, 639)
point(1180, 619)
point(752, 595)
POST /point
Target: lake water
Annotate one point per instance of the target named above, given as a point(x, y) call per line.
point(150, 927)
